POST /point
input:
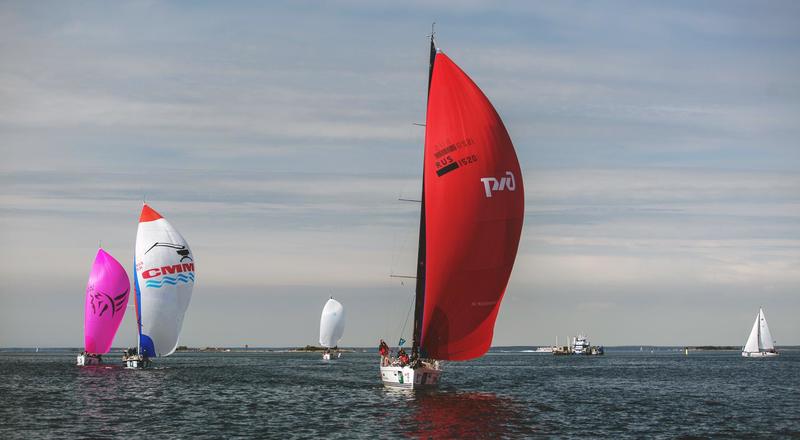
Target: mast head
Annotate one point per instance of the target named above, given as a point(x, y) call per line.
point(432, 36)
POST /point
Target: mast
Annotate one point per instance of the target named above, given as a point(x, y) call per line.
point(419, 302)
point(136, 305)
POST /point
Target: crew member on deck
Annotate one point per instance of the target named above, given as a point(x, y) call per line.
point(383, 349)
point(402, 357)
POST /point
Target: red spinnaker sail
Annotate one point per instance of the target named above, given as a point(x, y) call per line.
point(474, 205)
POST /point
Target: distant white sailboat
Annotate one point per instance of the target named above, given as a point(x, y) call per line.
point(331, 329)
point(759, 343)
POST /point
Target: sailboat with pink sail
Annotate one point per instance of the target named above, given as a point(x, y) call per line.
point(107, 295)
point(470, 224)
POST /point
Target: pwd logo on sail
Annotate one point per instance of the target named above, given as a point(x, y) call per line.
point(493, 184)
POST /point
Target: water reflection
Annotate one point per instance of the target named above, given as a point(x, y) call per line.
point(467, 415)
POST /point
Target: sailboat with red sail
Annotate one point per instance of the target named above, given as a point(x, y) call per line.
point(470, 224)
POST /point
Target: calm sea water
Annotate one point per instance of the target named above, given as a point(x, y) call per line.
point(502, 395)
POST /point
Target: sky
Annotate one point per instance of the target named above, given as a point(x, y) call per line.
point(659, 143)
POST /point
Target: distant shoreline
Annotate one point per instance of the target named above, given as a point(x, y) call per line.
point(714, 348)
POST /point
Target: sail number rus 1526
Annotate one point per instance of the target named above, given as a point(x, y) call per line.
point(445, 162)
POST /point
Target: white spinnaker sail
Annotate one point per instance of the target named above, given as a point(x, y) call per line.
point(752, 341)
point(331, 324)
point(765, 338)
point(164, 271)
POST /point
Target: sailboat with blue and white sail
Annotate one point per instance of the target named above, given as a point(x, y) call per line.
point(164, 276)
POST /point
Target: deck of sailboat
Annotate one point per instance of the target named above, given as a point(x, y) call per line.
point(759, 354)
point(426, 376)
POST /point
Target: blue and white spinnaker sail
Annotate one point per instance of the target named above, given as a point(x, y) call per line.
point(164, 278)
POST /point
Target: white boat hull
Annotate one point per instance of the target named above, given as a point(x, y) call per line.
point(759, 354)
point(88, 361)
point(331, 355)
point(136, 362)
point(424, 377)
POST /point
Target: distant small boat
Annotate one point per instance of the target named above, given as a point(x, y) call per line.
point(543, 350)
point(107, 295)
point(759, 343)
point(580, 345)
point(331, 329)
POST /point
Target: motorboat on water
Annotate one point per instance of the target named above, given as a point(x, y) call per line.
point(580, 345)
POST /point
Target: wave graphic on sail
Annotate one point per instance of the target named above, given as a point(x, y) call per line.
point(170, 281)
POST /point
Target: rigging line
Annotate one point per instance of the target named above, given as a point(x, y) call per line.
point(395, 256)
point(410, 306)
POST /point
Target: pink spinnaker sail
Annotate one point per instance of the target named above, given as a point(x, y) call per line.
point(106, 300)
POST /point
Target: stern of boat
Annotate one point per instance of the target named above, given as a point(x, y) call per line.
point(759, 354)
point(86, 360)
point(425, 376)
point(136, 362)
